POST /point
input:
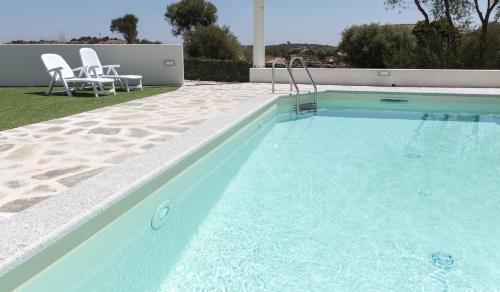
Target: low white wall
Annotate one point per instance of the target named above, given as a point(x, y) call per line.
point(20, 65)
point(382, 77)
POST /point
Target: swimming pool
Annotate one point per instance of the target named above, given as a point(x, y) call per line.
point(374, 192)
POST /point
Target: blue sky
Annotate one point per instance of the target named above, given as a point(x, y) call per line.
point(313, 21)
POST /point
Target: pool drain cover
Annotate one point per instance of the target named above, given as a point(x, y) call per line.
point(443, 260)
point(413, 156)
point(160, 217)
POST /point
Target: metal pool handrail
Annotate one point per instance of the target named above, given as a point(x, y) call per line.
point(292, 79)
point(308, 73)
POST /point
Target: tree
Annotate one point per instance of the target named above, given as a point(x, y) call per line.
point(126, 26)
point(455, 11)
point(185, 15)
point(212, 42)
point(378, 46)
point(491, 54)
point(484, 17)
point(436, 45)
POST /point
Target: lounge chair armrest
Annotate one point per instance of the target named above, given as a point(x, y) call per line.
point(84, 71)
point(55, 69)
point(111, 69)
point(111, 66)
point(83, 68)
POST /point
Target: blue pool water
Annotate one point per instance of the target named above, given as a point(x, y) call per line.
point(342, 201)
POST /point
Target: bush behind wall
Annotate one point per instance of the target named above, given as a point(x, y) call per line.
point(217, 70)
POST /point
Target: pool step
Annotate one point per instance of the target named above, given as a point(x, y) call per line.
point(310, 107)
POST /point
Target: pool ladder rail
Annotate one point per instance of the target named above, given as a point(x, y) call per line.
point(300, 108)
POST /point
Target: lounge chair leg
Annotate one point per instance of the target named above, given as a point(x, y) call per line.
point(96, 92)
point(121, 83)
point(51, 86)
point(66, 87)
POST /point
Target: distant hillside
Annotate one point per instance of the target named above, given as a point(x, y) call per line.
point(315, 54)
point(83, 40)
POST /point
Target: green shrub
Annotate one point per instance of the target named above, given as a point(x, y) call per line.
point(212, 42)
point(470, 51)
point(217, 70)
point(378, 46)
point(438, 45)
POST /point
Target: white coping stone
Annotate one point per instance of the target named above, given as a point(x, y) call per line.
point(31, 231)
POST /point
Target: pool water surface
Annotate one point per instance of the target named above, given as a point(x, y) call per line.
point(347, 200)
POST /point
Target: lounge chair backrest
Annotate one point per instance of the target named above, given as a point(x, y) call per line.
point(53, 61)
point(90, 59)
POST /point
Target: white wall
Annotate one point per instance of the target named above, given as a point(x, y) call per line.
point(20, 65)
point(381, 77)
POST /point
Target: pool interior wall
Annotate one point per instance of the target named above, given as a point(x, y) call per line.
point(189, 202)
point(129, 232)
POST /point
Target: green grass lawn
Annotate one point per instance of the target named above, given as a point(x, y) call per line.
point(21, 106)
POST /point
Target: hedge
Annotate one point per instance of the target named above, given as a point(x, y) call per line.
point(217, 70)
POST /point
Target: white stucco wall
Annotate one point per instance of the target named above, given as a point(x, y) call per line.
point(20, 65)
point(382, 77)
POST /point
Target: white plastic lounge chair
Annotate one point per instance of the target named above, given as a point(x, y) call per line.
point(91, 61)
point(61, 72)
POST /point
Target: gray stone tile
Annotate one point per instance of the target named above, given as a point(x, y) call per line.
point(22, 153)
point(58, 172)
point(73, 180)
point(105, 131)
point(138, 133)
point(53, 129)
point(20, 204)
point(87, 123)
point(42, 190)
point(15, 184)
point(5, 147)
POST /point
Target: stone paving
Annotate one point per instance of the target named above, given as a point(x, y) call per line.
point(41, 160)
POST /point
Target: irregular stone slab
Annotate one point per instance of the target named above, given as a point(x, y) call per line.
point(42, 189)
point(15, 184)
point(55, 152)
point(128, 117)
point(161, 138)
point(10, 167)
point(74, 131)
point(193, 123)
point(5, 147)
point(172, 129)
point(120, 157)
point(53, 129)
point(87, 123)
point(58, 172)
point(73, 180)
point(24, 152)
point(138, 133)
point(113, 140)
point(105, 131)
point(148, 146)
point(20, 204)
